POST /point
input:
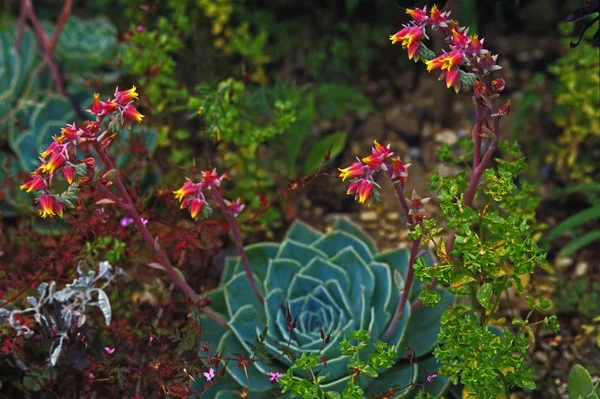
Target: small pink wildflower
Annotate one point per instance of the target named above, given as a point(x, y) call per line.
point(210, 375)
point(274, 377)
point(109, 350)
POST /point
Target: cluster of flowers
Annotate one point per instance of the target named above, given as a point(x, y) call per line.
point(192, 197)
point(465, 50)
point(61, 153)
point(362, 184)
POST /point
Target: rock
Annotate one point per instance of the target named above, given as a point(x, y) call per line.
point(541, 357)
point(400, 118)
point(446, 136)
point(581, 268)
point(368, 216)
point(392, 216)
point(374, 126)
point(563, 263)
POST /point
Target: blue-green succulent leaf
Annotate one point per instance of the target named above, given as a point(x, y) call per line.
point(274, 304)
point(302, 253)
point(280, 273)
point(302, 232)
point(344, 224)
point(438, 385)
point(383, 291)
point(238, 292)
point(336, 241)
point(399, 375)
point(326, 271)
point(424, 327)
point(256, 381)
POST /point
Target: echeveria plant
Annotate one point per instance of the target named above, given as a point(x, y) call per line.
point(317, 288)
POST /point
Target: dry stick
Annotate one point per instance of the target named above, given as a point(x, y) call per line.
point(237, 238)
point(157, 251)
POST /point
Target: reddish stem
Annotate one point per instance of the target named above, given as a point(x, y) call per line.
point(128, 206)
point(237, 238)
point(60, 24)
point(45, 45)
point(407, 284)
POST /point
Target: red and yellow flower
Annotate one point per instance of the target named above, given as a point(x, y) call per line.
point(124, 96)
point(46, 206)
point(196, 206)
point(55, 162)
point(365, 191)
point(418, 15)
point(36, 183)
point(353, 171)
point(410, 36)
point(438, 18)
point(210, 178)
point(132, 114)
point(399, 170)
point(188, 188)
point(69, 173)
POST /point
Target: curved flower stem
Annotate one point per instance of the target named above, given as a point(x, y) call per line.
point(479, 165)
point(45, 44)
point(399, 187)
point(237, 238)
point(128, 206)
point(407, 284)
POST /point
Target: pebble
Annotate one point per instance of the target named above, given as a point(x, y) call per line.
point(368, 216)
point(563, 263)
point(392, 216)
point(581, 268)
point(446, 136)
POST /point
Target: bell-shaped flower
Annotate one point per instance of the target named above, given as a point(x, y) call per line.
point(399, 171)
point(353, 171)
point(46, 203)
point(188, 188)
point(69, 172)
point(195, 206)
point(438, 18)
point(419, 16)
point(124, 96)
point(36, 183)
point(410, 36)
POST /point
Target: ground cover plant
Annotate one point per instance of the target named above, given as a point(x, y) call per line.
point(190, 209)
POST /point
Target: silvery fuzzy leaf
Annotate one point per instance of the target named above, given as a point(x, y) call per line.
point(64, 295)
point(4, 315)
point(56, 352)
point(104, 305)
point(32, 301)
point(81, 320)
point(67, 317)
point(104, 268)
point(42, 290)
point(52, 289)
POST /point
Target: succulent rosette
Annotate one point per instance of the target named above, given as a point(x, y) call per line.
point(330, 284)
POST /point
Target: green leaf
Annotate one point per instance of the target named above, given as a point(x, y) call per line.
point(484, 295)
point(31, 383)
point(334, 144)
point(578, 243)
point(576, 220)
point(579, 382)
